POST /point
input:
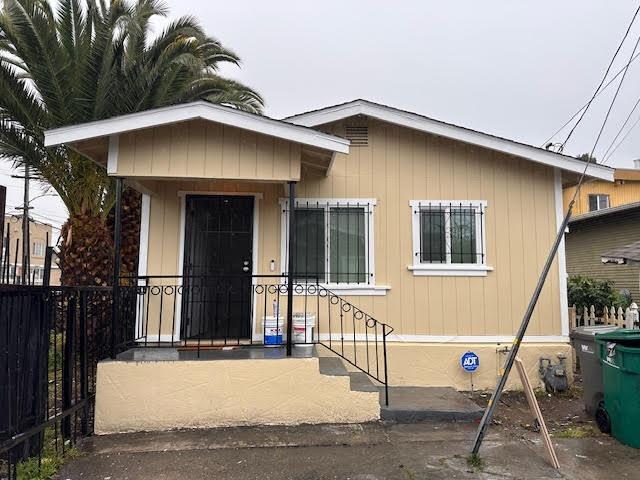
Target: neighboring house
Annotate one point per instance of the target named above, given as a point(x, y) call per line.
point(599, 194)
point(603, 244)
point(438, 231)
point(39, 234)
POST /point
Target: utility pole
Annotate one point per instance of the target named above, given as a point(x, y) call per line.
point(26, 242)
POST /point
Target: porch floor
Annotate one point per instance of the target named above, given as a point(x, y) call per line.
point(257, 352)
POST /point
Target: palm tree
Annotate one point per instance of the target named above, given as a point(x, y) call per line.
point(89, 60)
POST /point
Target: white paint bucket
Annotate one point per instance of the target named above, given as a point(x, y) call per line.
point(303, 328)
point(273, 328)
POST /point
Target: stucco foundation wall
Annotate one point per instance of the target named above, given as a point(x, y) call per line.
point(148, 396)
point(436, 364)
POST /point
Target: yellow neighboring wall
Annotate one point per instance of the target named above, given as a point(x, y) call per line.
point(625, 189)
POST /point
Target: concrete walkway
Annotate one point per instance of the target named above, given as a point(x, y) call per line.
point(358, 452)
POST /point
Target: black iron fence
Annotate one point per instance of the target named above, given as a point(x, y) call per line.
point(201, 312)
point(51, 339)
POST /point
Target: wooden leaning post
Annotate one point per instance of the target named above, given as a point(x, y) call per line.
point(535, 410)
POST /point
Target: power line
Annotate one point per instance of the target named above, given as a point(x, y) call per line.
point(606, 73)
point(607, 85)
point(622, 140)
point(613, 100)
point(605, 156)
point(495, 396)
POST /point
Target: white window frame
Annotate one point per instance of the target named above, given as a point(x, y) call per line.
point(420, 268)
point(598, 197)
point(356, 289)
point(42, 249)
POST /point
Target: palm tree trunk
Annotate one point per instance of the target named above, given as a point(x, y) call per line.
point(131, 216)
point(86, 253)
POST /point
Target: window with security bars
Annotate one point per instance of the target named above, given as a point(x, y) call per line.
point(448, 232)
point(333, 241)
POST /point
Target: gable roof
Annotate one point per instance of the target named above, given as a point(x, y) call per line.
point(436, 127)
point(191, 111)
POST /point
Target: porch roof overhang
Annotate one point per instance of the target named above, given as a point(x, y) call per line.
point(98, 140)
point(570, 166)
point(622, 255)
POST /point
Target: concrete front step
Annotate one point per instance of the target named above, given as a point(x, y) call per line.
point(419, 404)
point(408, 404)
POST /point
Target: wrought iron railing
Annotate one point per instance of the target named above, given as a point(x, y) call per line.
point(202, 312)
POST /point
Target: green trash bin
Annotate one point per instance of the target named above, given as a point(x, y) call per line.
point(619, 353)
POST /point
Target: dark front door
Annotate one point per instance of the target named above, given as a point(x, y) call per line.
point(216, 297)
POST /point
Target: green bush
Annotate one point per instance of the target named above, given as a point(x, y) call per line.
point(586, 291)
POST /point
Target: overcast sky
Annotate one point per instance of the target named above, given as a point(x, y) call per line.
point(517, 69)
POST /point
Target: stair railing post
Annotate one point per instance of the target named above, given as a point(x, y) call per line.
point(384, 353)
point(290, 264)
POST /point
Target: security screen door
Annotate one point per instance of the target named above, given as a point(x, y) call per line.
point(216, 297)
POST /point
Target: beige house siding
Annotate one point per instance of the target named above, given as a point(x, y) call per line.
point(397, 166)
point(588, 240)
point(200, 149)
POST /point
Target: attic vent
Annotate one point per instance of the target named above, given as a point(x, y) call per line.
point(358, 135)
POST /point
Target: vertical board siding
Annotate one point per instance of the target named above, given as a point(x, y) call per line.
point(199, 149)
point(520, 228)
point(620, 193)
point(397, 166)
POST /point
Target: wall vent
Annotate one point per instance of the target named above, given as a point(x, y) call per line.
point(358, 135)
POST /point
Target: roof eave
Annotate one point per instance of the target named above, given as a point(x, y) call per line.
point(436, 127)
point(192, 111)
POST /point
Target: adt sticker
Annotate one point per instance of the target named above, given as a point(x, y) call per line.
point(470, 362)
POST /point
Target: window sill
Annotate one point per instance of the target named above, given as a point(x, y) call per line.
point(449, 270)
point(348, 289)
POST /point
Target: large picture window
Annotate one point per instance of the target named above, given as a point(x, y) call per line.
point(448, 237)
point(333, 241)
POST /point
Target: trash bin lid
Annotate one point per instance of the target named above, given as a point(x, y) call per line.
point(623, 336)
point(588, 332)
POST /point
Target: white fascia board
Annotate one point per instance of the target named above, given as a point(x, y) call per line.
point(191, 111)
point(435, 127)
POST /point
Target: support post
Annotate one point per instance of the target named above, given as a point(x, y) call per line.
point(291, 264)
point(495, 397)
point(117, 242)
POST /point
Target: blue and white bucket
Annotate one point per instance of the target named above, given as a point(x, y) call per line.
point(273, 328)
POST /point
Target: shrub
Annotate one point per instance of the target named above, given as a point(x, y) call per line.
point(586, 291)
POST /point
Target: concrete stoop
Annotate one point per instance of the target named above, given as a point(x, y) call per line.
point(154, 391)
point(409, 404)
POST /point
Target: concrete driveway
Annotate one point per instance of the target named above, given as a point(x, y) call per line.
point(358, 452)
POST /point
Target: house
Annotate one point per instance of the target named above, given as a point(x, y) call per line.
point(603, 244)
point(40, 236)
point(414, 242)
point(599, 194)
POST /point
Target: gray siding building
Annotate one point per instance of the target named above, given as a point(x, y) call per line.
point(596, 234)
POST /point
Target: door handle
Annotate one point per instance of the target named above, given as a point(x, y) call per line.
point(245, 268)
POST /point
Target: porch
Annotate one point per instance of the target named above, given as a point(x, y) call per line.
point(246, 317)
